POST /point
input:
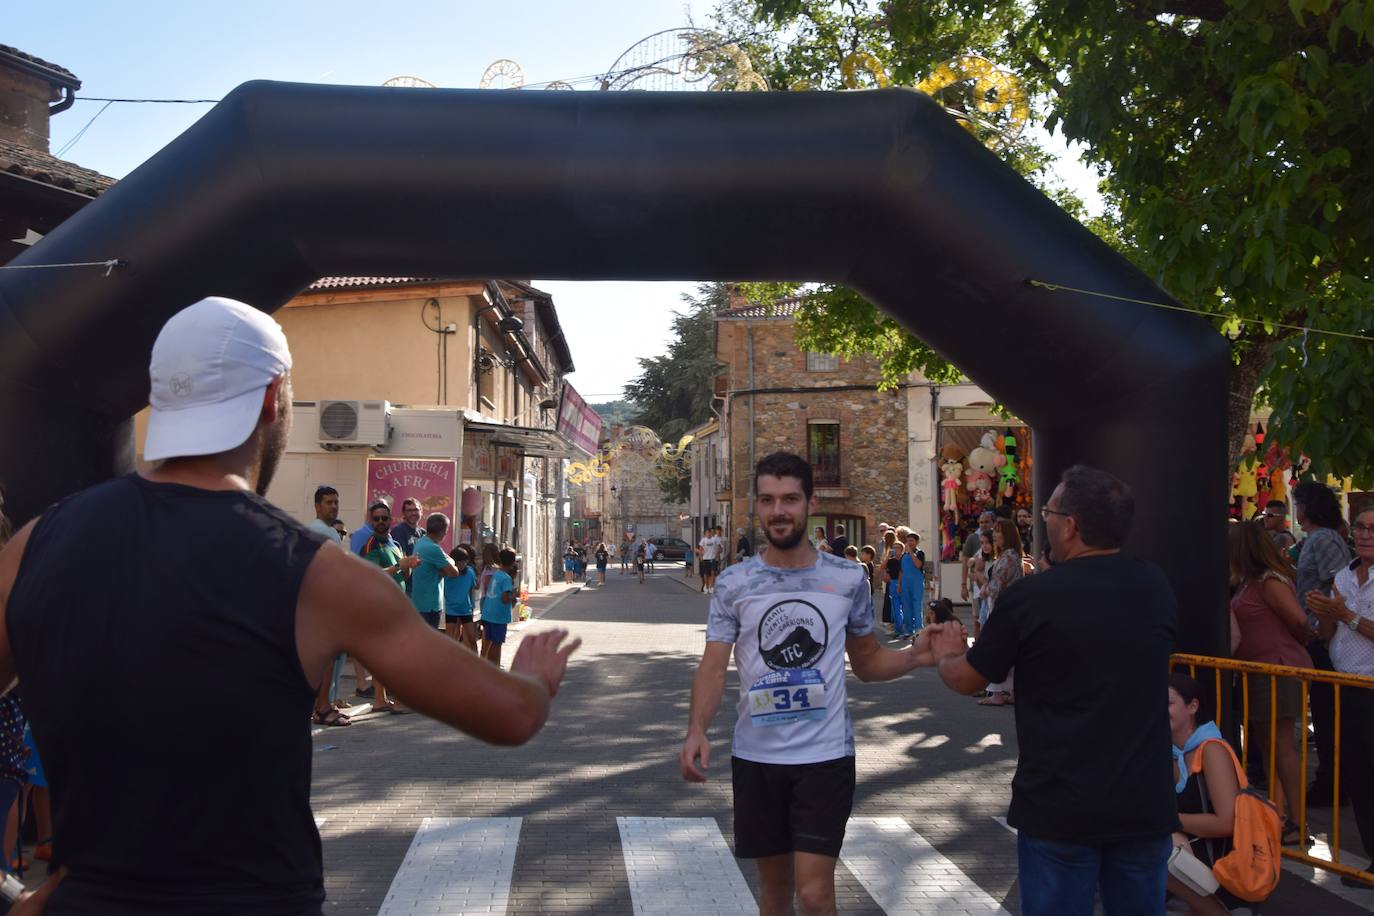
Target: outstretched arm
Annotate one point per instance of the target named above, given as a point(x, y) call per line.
point(949, 648)
point(872, 662)
point(707, 689)
point(348, 604)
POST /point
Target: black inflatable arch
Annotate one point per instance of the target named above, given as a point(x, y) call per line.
point(282, 183)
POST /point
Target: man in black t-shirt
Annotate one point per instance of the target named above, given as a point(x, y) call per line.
point(1090, 639)
point(407, 533)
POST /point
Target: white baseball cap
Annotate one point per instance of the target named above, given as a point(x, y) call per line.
point(211, 363)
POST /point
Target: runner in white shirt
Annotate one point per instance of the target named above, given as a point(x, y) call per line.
point(784, 613)
point(710, 559)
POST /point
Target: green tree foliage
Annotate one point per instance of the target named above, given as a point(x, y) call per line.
point(1233, 143)
point(615, 413)
point(672, 393)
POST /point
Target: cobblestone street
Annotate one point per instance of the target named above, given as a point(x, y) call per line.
point(593, 817)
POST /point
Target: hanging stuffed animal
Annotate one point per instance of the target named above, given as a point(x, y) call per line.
point(1246, 488)
point(1007, 476)
point(952, 470)
point(983, 464)
point(949, 553)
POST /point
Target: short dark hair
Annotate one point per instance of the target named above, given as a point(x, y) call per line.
point(436, 524)
point(322, 491)
point(944, 610)
point(379, 504)
point(506, 557)
point(1189, 689)
point(1318, 503)
point(1101, 503)
point(785, 464)
point(409, 501)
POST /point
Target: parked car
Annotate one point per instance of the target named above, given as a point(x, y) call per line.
point(670, 548)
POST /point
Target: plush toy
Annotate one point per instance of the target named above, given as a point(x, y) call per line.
point(1278, 487)
point(984, 462)
point(949, 553)
point(952, 470)
point(1246, 488)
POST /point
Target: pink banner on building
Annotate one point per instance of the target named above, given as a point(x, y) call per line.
point(578, 422)
point(432, 482)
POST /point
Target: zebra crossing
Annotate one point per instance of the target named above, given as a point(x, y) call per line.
point(676, 866)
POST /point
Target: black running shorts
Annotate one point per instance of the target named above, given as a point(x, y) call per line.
point(784, 808)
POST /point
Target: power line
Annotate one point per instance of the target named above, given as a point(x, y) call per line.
point(82, 132)
point(1306, 329)
point(96, 98)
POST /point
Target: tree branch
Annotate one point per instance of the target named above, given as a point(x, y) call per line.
point(1014, 40)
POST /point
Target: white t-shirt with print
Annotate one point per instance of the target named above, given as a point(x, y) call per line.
point(710, 547)
point(788, 627)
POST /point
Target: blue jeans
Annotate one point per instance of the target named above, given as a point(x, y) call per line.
point(1060, 879)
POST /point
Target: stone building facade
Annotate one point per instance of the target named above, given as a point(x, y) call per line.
point(37, 189)
point(829, 410)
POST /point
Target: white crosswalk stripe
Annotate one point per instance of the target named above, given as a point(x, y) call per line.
point(681, 866)
point(455, 865)
point(907, 876)
point(675, 866)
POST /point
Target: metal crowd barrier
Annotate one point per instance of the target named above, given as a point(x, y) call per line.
point(1305, 677)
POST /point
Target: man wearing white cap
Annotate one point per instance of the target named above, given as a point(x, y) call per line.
point(167, 805)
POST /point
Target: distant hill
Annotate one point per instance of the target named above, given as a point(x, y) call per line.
point(616, 413)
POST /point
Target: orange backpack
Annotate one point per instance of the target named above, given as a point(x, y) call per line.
point(1251, 869)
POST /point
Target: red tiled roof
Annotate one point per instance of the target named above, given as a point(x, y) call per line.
point(366, 282)
point(40, 166)
point(61, 74)
point(782, 309)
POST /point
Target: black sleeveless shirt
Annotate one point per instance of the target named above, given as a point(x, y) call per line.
point(140, 612)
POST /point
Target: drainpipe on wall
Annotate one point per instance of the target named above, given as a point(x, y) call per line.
point(753, 534)
point(710, 497)
point(937, 502)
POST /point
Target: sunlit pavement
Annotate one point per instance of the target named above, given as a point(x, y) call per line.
point(561, 817)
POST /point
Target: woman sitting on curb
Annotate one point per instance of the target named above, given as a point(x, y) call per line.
point(1206, 800)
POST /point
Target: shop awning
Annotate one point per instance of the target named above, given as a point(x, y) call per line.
point(530, 440)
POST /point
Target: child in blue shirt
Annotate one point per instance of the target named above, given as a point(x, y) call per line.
point(497, 602)
point(458, 599)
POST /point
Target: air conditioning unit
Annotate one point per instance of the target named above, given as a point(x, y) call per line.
point(354, 422)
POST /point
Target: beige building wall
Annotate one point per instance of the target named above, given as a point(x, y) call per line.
point(381, 345)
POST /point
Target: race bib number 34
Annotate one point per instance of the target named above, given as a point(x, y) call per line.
point(789, 695)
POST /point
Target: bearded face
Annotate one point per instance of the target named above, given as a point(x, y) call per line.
point(783, 508)
point(274, 441)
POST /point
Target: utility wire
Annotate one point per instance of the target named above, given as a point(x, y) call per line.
point(110, 266)
point(1060, 287)
point(82, 132)
point(96, 98)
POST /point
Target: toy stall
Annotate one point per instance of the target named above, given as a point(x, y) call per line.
point(982, 466)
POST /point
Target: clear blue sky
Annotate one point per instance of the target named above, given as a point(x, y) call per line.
point(159, 49)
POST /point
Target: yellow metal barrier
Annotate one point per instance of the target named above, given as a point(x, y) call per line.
point(1306, 677)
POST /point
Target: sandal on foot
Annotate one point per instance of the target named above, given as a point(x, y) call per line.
point(995, 699)
point(1292, 836)
point(330, 716)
